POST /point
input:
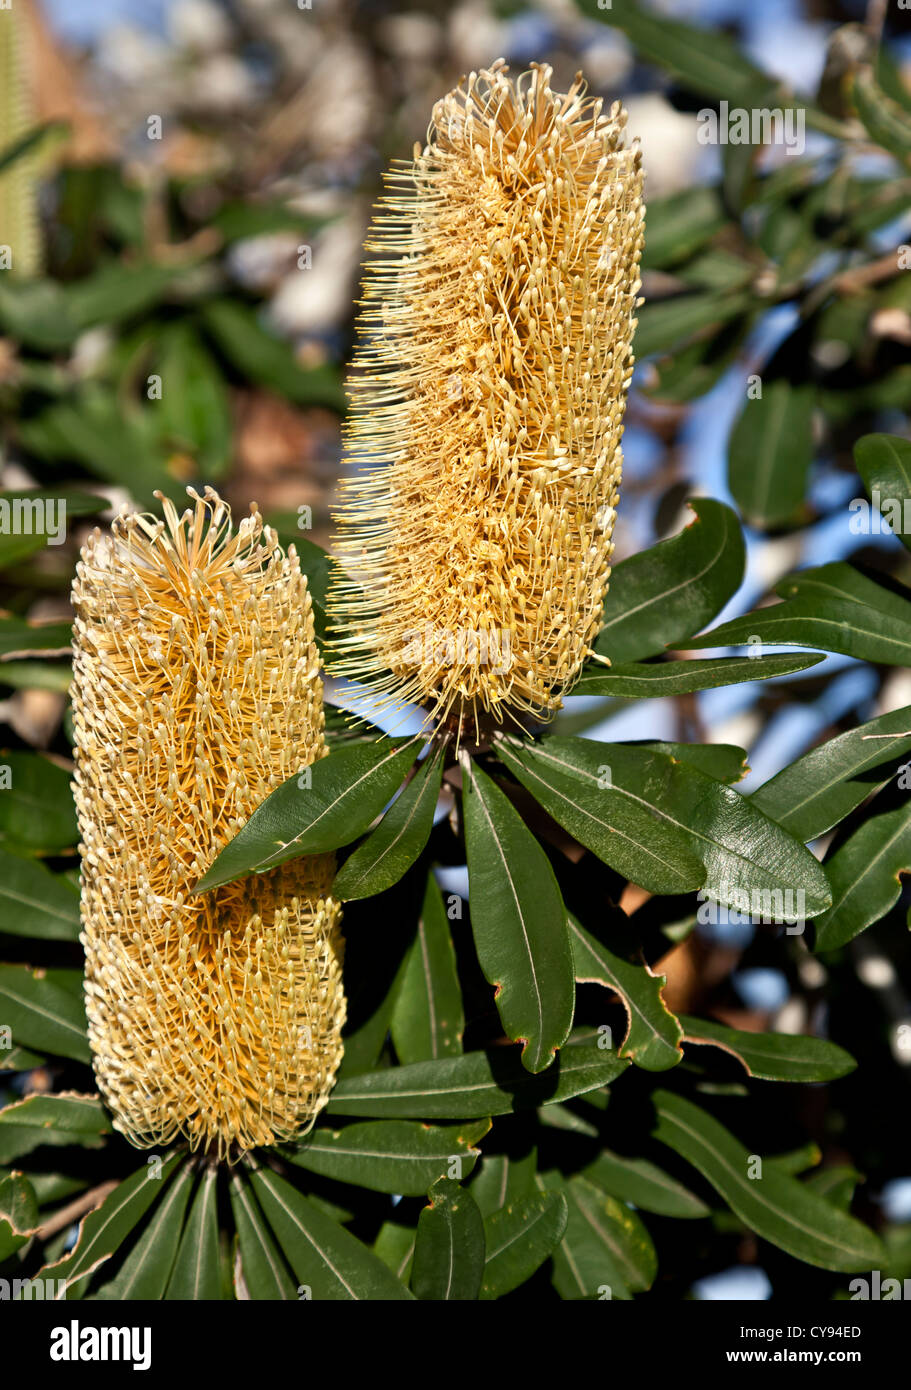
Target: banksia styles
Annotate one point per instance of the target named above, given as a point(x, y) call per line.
point(487, 403)
point(196, 692)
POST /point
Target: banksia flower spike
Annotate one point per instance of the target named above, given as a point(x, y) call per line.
point(196, 692)
point(487, 404)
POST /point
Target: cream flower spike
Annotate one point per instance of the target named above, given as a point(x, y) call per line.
point(487, 403)
point(196, 691)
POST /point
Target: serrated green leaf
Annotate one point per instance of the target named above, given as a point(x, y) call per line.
point(43, 1014)
point(398, 1156)
point(449, 1250)
point(653, 1037)
point(326, 1258)
point(775, 1206)
point(18, 1213)
point(66, 1118)
point(474, 1085)
point(518, 920)
point(664, 594)
point(519, 1238)
point(773, 1056)
point(390, 850)
point(346, 792)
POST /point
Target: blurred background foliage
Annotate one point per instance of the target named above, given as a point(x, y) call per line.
point(187, 185)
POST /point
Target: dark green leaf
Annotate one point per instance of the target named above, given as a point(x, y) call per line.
point(42, 1014)
point(346, 792)
point(36, 903)
point(651, 681)
point(474, 1085)
point(19, 638)
point(329, 1262)
point(427, 1017)
point(886, 122)
point(680, 224)
point(602, 816)
point(653, 1037)
point(105, 1229)
point(520, 1237)
point(671, 322)
point(65, 1118)
point(196, 1273)
point(884, 463)
point(265, 1273)
point(663, 595)
point(24, 530)
point(606, 1250)
point(818, 790)
point(864, 874)
point(775, 1205)
point(145, 1272)
point(399, 1156)
point(18, 1213)
point(390, 850)
point(449, 1250)
point(501, 1180)
point(518, 920)
point(267, 360)
point(36, 805)
point(644, 1184)
point(773, 1056)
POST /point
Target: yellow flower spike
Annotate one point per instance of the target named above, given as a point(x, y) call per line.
point(487, 403)
point(196, 691)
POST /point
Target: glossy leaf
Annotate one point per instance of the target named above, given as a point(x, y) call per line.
point(500, 1181)
point(399, 1156)
point(653, 1036)
point(347, 790)
point(664, 594)
point(518, 920)
point(603, 816)
point(520, 1237)
point(42, 1014)
point(746, 856)
point(656, 680)
point(104, 1230)
point(65, 1118)
point(145, 1272)
point(775, 1206)
point(864, 874)
point(326, 1259)
point(817, 791)
point(196, 1275)
point(264, 1271)
point(773, 1056)
point(449, 1249)
point(18, 1213)
point(474, 1085)
point(390, 850)
point(428, 1019)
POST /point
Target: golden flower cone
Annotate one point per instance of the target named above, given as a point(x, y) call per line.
point(487, 403)
point(196, 691)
